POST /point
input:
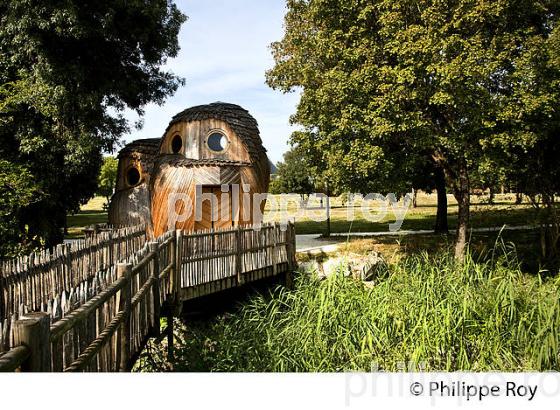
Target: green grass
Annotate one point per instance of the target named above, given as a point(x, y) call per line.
point(481, 218)
point(393, 248)
point(90, 214)
point(504, 211)
point(422, 310)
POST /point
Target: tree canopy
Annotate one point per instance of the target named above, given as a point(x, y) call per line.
point(18, 191)
point(68, 71)
point(107, 178)
point(385, 80)
point(293, 174)
point(533, 115)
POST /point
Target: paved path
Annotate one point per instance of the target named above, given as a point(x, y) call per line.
point(313, 243)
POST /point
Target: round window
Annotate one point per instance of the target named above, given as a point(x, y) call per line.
point(176, 144)
point(132, 176)
point(217, 142)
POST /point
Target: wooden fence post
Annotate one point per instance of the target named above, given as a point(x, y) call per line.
point(173, 298)
point(33, 331)
point(173, 262)
point(155, 330)
point(291, 254)
point(293, 262)
point(125, 269)
point(274, 242)
point(178, 262)
point(68, 262)
point(111, 255)
point(238, 254)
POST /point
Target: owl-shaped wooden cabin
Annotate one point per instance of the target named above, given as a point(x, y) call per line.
point(130, 205)
point(202, 174)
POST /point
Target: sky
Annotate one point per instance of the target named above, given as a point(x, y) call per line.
point(224, 56)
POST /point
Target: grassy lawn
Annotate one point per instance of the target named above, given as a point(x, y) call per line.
point(504, 211)
point(481, 246)
point(91, 213)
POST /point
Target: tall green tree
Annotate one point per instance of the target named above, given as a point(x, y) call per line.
point(293, 174)
point(527, 151)
point(68, 70)
point(420, 75)
point(107, 178)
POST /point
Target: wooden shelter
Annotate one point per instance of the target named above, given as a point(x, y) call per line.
point(130, 205)
point(202, 174)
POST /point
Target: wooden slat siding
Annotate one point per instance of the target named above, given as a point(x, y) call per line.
point(170, 179)
point(194, 146)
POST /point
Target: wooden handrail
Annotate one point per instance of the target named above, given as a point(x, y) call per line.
point(14, 358)
point(142, 264)
point(65, 324)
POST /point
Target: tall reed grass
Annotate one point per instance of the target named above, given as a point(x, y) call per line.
point(422, 313)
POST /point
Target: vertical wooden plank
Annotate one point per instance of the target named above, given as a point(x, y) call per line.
point(156, 269)
point(273, 256)
point(179, 261)
point(174, 262)
point(238, 255)
point(124, 269)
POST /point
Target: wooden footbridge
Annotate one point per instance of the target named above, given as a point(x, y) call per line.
point(93, 305)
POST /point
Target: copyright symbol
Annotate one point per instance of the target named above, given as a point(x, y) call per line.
point(416, 389)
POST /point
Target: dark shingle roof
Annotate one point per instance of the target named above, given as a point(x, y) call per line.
point(148, 146)
point(239, 119)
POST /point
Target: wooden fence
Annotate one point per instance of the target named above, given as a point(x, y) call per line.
point(59, 280)
point(216, 260)
point(120, 306)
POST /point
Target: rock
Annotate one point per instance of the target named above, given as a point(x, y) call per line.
point(336, 265)
point(310, 267)
point(369, 267)
point(360, 267)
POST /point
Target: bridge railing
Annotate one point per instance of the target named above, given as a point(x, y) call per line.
point(106, 332)
point(103, 325)
point(56, 281)
point(219, 259)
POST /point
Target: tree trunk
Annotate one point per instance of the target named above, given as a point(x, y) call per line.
point(414, 198)
point(518, 198)
point(491, 196)
point(441, 217)
point(550, 234)
point(328, 232)
point(462, 195)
